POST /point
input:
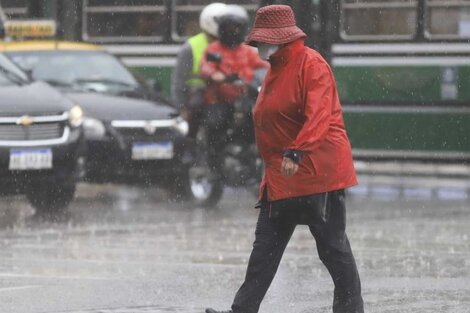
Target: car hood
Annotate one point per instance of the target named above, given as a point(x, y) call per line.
point(109, 108)
point(37, 98)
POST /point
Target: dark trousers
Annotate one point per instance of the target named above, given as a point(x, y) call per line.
point(326, 217)
point(217, 120)
point(197, 114)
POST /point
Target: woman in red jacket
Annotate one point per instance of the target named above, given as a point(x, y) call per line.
point(308, 163)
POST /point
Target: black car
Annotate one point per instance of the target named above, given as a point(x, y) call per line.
point(41, 140)
point(132, 136)
point(133, 141)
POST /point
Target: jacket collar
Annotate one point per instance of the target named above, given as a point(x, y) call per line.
point(286, 53)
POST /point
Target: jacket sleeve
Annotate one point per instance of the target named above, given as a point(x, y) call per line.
point(207, 68)
point(181, 73)
point(318, 96)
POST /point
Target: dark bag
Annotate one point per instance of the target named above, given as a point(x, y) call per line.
point(305, 210)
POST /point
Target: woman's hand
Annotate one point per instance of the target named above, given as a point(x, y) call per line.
point(288, 167)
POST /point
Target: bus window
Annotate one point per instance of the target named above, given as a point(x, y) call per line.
point(378, 19)
point(124, 21)
point(15, 8)
point(448, 19)
point(185, 15)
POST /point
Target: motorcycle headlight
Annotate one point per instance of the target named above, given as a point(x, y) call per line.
point(76, 116)
point(94, 129)
point(181, 126)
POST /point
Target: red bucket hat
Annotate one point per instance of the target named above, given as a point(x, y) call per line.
point(274, 24)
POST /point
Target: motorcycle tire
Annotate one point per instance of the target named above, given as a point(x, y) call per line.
point(198, 186)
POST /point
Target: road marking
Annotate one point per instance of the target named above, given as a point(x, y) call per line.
point(7, 275)
point(136, 309)
point(19, 288)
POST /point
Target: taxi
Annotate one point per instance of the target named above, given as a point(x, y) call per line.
point(41, 141)
point(132, 136)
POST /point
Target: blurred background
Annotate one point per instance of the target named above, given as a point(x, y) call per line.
point(401, 66)
point(129, 241)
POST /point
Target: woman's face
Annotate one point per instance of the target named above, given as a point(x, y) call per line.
point(265, 50)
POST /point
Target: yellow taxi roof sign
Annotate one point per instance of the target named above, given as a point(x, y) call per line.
point(30, 28)
point(47, 45)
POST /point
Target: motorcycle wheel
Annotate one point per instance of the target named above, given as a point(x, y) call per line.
point(204, 188)
point(199, 186)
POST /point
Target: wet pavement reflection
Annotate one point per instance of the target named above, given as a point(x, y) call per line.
point(127, 249)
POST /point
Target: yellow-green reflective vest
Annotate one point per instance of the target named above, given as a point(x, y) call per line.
point(198, 45)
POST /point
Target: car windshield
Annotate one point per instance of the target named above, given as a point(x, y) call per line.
point(78, 70)
point(9, 73)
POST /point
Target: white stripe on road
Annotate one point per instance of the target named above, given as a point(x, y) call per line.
point(8, 275)
point(19, 288)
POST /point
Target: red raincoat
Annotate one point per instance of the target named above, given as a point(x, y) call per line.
point(298, 108)
point(242, 60)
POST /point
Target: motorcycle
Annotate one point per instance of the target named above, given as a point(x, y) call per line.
point(238, 161)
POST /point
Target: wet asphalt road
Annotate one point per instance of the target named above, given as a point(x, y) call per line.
point(127, 250)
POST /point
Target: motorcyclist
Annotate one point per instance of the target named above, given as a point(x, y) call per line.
point(187, 87)
point(227, 63)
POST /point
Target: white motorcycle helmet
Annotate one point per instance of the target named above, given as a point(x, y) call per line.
point(208, 18)
point(238, 10)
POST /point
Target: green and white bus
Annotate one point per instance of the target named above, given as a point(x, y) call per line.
point(403, 73)
point(402, 66)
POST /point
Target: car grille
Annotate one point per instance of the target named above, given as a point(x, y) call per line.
point(10, 114)
point(40, 131)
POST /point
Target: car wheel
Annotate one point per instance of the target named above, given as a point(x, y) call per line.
point(51, 200)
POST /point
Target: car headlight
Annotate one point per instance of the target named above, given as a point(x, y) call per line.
point(181, 126)
point(76, 116)
point(94, 129)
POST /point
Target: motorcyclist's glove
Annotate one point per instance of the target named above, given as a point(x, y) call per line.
point(232, 78)
point(294, 155)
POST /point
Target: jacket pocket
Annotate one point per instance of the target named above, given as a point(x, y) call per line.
point(310, 164)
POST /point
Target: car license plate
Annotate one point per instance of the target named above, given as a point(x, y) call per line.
point(37, 159)
point(152, 151)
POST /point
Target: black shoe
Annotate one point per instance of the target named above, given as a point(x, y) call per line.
point(210, 310)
